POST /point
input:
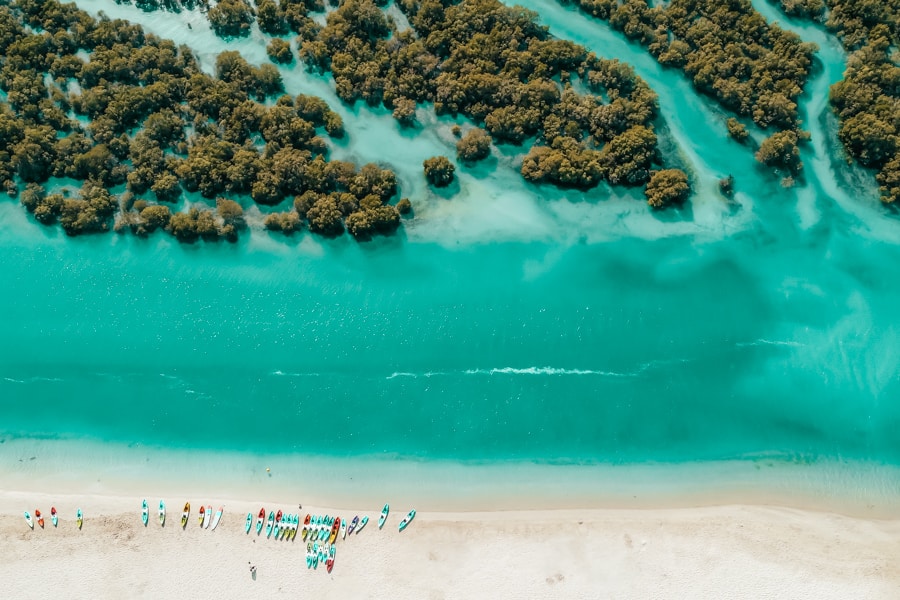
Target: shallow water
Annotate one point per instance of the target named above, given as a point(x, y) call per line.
point(510, 322)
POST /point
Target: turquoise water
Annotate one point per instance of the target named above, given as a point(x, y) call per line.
point(510, 322)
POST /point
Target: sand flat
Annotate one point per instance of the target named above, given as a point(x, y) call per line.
point(710, 552)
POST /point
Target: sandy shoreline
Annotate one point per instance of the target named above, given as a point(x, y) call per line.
point(738, 551)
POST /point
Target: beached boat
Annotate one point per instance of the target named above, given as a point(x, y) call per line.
point(40, 519)
point(209, 515)
point(162, 513)
point(249, 524)
point(145, 513)
point(315, 556)
point(270, 523)
point(277, 528)
point(54, 518)
point(309, 555)
point(185, 514)
point(29, 520)
point(202, 514)
point(259, 520)
point(343, 529)
point(353, 524)
point(362, 523)
point(384, 515)
point(79, 519)
point(329, 564)
point(407, 519)
point(218, 517)
point(295, 525)
point(334, 530)
point(305, 530)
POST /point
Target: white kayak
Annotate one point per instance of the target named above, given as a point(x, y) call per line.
point(29, 520)
point(218, 517)
point(207, 517)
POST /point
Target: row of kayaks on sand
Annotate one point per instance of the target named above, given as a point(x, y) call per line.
point(322, 528)
point(319, 553)
point(207, 518)
point(54, 518)
point(317, 528)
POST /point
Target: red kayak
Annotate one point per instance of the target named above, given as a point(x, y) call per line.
point(40, 519)
point(278, 517)
point(306, 520)
point(259, 521)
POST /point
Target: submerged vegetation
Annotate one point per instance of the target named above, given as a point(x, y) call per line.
point(139, 123)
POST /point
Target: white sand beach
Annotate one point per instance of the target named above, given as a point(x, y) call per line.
point(733, 551)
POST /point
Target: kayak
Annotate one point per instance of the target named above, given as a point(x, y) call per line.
point(145, 513)
point(249, 523)
point(269, 523)
point(315, 556)
point(353, 524)
point(384, 514)
point(29, 520)
point(309, 555)
point(344, 530)
point(162, 513)
point(185, 514)
point(305, 530)
point(40, 519)
point(79, 518)
point(408, 519)
point(259, 520)
point(209, 515)
point(362, 524)
point(218, 517)
point(295, 524)
point(277, 528)
point(202, 514)
point(329, 564)
point(54, 518)
point(334, 531)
